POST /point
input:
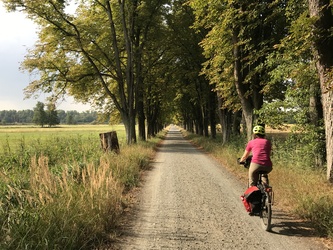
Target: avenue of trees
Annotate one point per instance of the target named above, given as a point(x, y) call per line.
point(191, 61)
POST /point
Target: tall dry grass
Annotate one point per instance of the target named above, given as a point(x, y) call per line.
point(73, 210)
point(68, 204)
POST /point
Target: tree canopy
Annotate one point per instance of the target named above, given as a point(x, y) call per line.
point(154, 62)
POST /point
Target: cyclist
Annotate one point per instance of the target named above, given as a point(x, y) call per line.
point(261, 151)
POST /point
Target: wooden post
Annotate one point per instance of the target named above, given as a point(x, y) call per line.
point(109, 141)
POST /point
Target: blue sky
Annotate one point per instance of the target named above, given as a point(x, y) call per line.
point(17, 35)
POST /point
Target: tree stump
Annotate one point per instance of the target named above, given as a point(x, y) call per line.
point(109, 141)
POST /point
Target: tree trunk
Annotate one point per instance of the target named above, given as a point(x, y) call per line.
point(140, 111)
point(323, 53)
point(109, 141)
point(129, 123)
point(153, 111)
point(132, 128)
point(224, 116)
point(315, 107)
point(236, 122)
point(126, 84)
point(199, 123)
point(316, 118)
point(141, 123)
point(212, 113)
point(191, 126)
point(247, 105)
point(205, 122)
point(139, 93)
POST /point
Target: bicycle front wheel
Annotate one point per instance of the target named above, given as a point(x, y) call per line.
point(266, 213)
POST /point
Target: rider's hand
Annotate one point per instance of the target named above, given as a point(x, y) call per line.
point(240, 161)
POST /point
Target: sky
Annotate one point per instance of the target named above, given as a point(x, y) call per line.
point(17, 34)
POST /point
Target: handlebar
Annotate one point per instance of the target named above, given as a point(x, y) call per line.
point(245, 163)
point(240, 162)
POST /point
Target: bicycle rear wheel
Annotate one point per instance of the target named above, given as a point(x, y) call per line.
point(266, 213)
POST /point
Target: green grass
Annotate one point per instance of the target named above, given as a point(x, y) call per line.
point(61, 144)
point(59, 190)
point(14, 135)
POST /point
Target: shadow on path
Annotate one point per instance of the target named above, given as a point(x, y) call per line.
point(284, 224)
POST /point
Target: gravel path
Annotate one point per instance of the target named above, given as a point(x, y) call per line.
point(189, 201)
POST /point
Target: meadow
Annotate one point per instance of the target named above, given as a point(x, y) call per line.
point(59, 190)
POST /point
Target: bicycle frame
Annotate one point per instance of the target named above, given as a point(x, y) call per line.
point(267, 198)
point(266, 203)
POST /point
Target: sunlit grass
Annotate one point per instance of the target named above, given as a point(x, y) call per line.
point(60, 190)
point(14, 135)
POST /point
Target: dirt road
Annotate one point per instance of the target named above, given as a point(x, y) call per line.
point(189, 201)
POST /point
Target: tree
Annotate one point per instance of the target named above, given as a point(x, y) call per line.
point(70, 119)
point(193, 88)
point(52, 115)
point(150, 46)
point(90, 54)
point(321, 14)
point(240, 36)
point(40, 117)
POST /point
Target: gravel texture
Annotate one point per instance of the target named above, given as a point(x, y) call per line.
point(189, 201)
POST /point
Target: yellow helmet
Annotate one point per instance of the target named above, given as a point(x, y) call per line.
point(259, 130)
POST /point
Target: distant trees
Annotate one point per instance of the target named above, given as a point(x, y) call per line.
point(55, 116)
point(45, 117)
point(13, 116)
point(195, 98)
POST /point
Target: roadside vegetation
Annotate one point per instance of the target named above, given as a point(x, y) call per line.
point(59, 190)
point(299, 186)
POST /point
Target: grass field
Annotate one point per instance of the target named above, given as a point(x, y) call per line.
point(60, 190)
point(14, 135)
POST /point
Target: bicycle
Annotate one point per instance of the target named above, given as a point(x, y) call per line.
point(266, 199)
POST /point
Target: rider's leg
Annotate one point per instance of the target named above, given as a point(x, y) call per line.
point(265, 176)
point(253, 174)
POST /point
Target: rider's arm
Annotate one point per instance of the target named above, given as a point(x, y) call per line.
point(245, 155)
